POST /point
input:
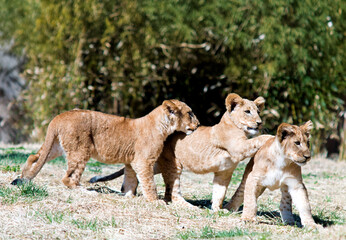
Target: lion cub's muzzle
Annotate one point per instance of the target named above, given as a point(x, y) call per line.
point(255, 128)
point(190, 129)
point(302, 162)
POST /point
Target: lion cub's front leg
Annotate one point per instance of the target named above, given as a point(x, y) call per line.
point(252, 191)
point(300, 199)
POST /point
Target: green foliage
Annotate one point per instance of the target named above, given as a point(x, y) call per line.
point(126, 57)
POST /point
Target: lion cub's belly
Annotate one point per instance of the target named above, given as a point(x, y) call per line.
point(205, 163)
point(224, 162)
point(221, 162)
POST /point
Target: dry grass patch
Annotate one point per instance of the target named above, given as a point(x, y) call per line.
point(46, 209)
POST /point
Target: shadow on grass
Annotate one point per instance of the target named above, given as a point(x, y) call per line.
point(204, 203)
point(270, 215)
point(276, 214)
point(105, 190)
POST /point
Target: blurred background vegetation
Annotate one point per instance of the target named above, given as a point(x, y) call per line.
point(126, 57)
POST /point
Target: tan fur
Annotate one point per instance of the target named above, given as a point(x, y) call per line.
point(278, 165)
point(216, 149)
point(82, 134)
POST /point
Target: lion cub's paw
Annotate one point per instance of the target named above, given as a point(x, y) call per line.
point(248, 219)
point(313, 226)
point(159, 202)
point(129, 195)
point(222, 210)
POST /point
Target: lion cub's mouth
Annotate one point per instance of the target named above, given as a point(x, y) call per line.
point(254, 129)
point(189, 131)
point(301, 163)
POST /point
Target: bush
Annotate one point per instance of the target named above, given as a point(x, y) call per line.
point(126, 57)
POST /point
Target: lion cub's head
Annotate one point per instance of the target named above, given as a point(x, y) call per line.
point(245, 113)
point(295, 142)
point(180, 116)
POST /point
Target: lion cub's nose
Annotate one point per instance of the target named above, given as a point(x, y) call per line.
point(259, 123)
point(307, 157)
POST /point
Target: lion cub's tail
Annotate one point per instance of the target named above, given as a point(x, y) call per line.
point(108, 177)
point(36, 161)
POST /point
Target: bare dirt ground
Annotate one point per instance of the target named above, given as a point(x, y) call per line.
point(100, 212)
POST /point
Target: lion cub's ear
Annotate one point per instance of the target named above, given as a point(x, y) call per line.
point(232, 101)
point(307, 127)
point(284, 130)
point(169, 106)
point(260, 101)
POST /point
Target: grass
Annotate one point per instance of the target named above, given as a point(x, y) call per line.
point(94, 224)
point(51, 216)
point(28, 192)
point(49, 210)
point(209, 233)
point(10, 168)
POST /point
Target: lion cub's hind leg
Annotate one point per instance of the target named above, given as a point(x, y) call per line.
point(220, 184)
point(76, 162)
point(171, 172)
point(286, 206)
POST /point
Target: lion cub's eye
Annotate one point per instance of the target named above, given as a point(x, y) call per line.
point(247, 111)
point(297, 143)
point(190, 114)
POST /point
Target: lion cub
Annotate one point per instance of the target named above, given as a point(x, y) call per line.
point(217, 149)
point(278, 165)
point(82, 134)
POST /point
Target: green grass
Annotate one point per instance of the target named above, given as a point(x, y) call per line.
point(50, 217)
point(207, 232)
point(327, 217)
point(93, 224)
point(10, 168)
point(83, 224)
point(238, 174)
point(95, 166)
point(28, 192)
point(208, 213)
point(324, 175)
point(13, 158)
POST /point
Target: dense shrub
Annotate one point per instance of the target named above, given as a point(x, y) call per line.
point(126, 57)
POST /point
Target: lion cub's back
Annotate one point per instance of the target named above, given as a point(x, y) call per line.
point(99, 126)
